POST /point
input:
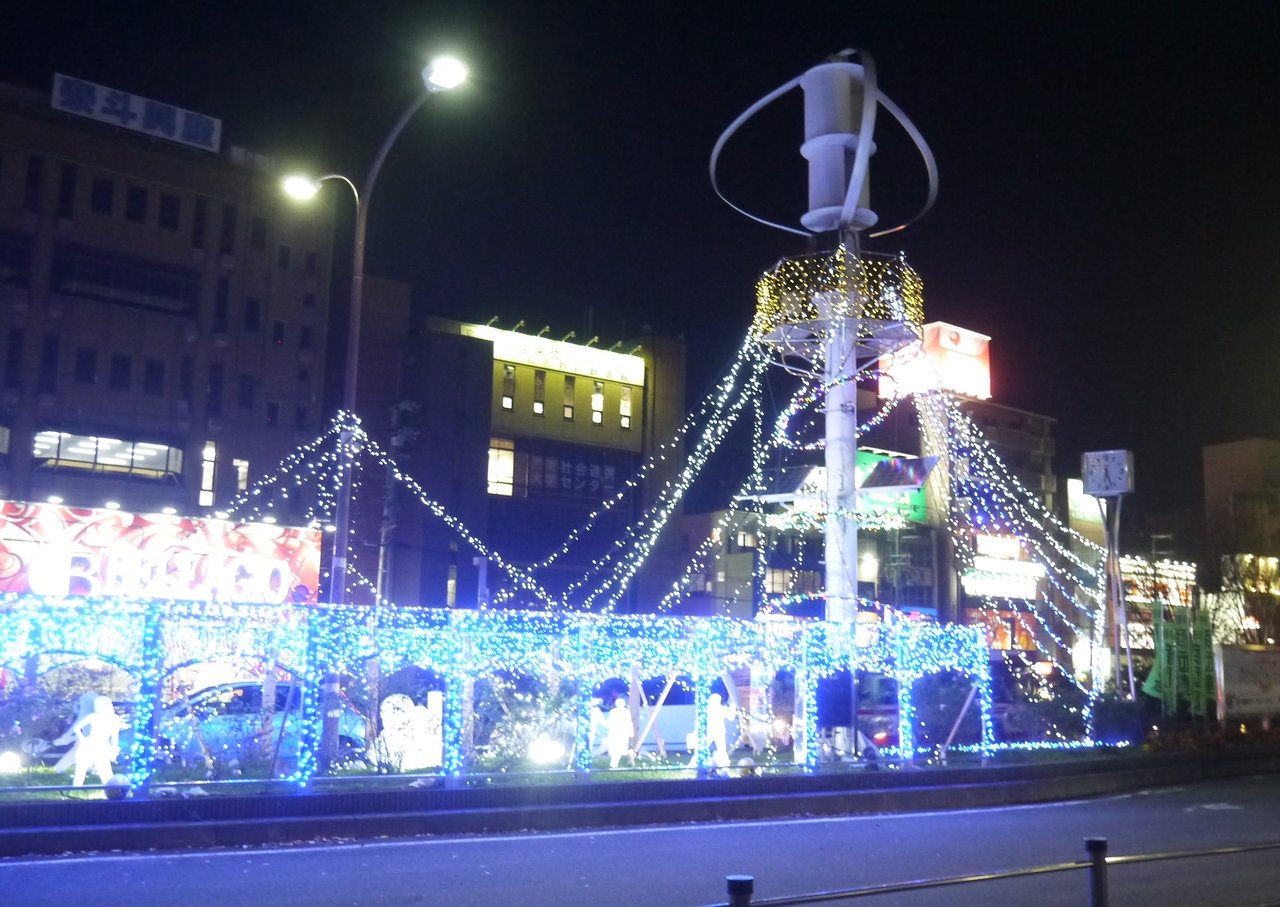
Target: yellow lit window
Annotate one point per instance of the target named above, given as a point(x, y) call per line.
point(502, 467)
point(624, 407)
point(570, 386)
point(208, 469)
point(597, 403)
point(539, 392)
point(508, 386)
point(242, 474)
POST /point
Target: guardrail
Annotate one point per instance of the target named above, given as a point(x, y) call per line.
point(742, 887)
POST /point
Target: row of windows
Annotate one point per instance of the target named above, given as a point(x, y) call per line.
point(568, 397)
point(120, 374)
point(135, 203)
point(141, 459)
point(519, 473)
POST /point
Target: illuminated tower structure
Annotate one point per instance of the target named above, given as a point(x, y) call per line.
point(832, 315)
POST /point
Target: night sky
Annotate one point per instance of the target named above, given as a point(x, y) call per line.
point(1109, 179)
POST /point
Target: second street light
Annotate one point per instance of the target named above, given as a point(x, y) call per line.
point(441, 74)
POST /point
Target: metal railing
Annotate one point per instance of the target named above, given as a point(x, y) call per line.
point(741, 887)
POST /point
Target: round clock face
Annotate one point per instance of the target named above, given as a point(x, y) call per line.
point(1106, 472)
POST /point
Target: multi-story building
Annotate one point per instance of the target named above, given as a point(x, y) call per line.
point(163, 310)
point(164, 320)
point(519, 437)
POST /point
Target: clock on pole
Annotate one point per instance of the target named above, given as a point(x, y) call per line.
point(1107, 473)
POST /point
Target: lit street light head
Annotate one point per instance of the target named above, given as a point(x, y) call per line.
point(444, 73)
point(300, 187)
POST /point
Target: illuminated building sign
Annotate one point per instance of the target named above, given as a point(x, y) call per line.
point(1147, 582)
point(543, 352)
point(949, 357)
point(1081, 507)
point(138, 114)
point(997, 571)
point(889, 507)
point(52, 550)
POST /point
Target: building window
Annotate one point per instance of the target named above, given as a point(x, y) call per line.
point(184, 380)
point(569, 387)
point(252, 314)
point(122, 280)
point(508, 387)
point(208, 472)
point(244, 391)
point(102, 195)
point(282, 258)
point(67, 191)
point(222, 306)
point(213, 402)
point(135, 204)
point(304, 375)
point(277, 332)
point(273, 413)
point(777, 581)
point(300, 418)
point(13, 360)
point(121, 372)
point(199, 217)
point(153, 377)
point(31, 191)
point(539, 392)
point(242, 474)
point(308, 300)
point(304, 338)
point(451, 587)
point(624, 407)
point(227, 239)
point(86, 366)
point(597, 403)
point(58, 450)
point(310, 266)
point(49, 365)
point(502, 467)
point(747, 539)
point(170, 210)
point(258, 233)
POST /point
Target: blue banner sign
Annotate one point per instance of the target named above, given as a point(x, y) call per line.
point(138, 114)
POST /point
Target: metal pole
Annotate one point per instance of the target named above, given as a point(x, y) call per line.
point(1097, 850)
point(740, 890)
point(342, 515)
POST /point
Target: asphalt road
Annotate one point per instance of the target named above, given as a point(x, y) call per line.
point(686, 865)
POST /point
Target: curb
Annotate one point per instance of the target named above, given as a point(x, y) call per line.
point(58, 827)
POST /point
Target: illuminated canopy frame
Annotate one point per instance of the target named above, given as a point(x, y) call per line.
point(151, 638)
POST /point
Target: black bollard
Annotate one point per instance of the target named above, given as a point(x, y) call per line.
point(740, 889)
point(1097, 849)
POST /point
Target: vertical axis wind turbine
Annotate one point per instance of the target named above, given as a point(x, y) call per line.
point(828, 316)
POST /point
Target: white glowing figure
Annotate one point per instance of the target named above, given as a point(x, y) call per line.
point(618, 734)
point(718, 714)
point(95, 739)
point(411, 737)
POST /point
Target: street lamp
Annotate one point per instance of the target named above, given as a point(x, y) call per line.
point(441, 74)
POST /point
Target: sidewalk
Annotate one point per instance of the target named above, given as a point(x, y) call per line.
point(59, 826)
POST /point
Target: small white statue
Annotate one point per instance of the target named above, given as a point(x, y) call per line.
point(717, 715)
point(618, 736)
point(95, 739)
point(411, 734)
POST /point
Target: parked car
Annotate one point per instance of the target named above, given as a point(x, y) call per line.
point(226, 722)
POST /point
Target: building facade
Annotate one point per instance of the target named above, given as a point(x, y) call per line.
point(163, 309)
point(520, 438)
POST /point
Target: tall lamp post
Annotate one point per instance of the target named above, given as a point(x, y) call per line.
point(441, 74)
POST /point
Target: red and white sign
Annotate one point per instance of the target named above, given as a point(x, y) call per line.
point(949, 357)
point(48, 549)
